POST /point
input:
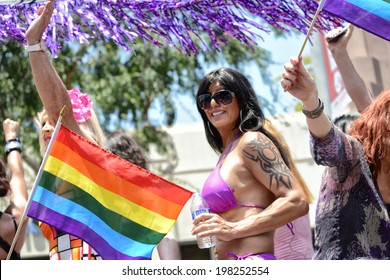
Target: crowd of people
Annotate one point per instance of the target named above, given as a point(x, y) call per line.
point(258, 199)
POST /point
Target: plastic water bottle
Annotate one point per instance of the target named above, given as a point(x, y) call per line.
point(200, 206)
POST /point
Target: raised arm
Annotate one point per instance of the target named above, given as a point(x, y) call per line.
point(299, 83)
point(50, 87)
point(18, 193)
point(354, 84)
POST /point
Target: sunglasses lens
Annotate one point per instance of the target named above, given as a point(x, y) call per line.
point(204, 101)
point(223, 97)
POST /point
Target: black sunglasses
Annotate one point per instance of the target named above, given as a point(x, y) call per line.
point(222, 97)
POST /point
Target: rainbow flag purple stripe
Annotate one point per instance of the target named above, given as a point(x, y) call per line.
point(370, 15)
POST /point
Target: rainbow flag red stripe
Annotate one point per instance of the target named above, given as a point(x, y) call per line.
point(370, 15)
point(120, 209)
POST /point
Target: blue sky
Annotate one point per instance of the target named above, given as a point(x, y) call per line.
point(282, 49)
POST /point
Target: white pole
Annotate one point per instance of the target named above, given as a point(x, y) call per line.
point(16, 2)
point(320, 5)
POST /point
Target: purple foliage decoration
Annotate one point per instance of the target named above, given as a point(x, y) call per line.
point(184, 24)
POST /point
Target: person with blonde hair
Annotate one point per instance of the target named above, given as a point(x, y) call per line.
point(82, 112)
point(78, 116)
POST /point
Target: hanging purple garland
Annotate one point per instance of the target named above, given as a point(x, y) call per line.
point(170, 22)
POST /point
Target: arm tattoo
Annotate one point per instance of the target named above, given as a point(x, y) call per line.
point(262, 152)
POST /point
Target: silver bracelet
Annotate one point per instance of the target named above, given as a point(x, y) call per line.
point(316, 112)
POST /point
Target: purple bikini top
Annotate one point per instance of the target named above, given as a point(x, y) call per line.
point(219, 195)
point(217, 192)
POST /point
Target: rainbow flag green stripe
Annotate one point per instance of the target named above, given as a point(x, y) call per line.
point(117, 222)
point(120, 209)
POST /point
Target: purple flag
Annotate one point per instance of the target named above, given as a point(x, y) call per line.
point(372, 16)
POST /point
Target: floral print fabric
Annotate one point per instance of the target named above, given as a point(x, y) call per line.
point(352, 220)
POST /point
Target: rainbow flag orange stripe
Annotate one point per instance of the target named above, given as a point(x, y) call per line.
point(120, 209)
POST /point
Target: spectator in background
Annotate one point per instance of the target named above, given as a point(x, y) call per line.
point(16, 190)
point(353, 209)
point(353, 82)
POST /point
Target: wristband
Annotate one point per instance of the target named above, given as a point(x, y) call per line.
point(40, 47)
point(12, 145)
point(316, 112)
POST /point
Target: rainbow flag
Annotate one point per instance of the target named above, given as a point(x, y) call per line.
point(370, 15)
point(120, 209)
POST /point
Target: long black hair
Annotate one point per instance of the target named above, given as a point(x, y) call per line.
point(251, 116)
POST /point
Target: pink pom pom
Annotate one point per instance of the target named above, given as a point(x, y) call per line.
point(81, 105)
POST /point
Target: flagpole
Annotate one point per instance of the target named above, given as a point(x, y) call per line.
point(37, 179)
point(320, 5)
point(17, 2)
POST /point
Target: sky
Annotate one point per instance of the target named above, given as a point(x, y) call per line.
point(281, 48)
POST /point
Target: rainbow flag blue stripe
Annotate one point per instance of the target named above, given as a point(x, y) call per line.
point(370, 15)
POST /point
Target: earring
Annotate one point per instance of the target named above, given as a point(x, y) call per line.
point(208, 125)
point(240, 125)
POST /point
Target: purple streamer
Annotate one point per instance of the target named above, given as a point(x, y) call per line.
point(159, 22)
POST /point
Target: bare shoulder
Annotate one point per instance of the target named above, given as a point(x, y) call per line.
point(264, 160)
point(251, 138)
point(257, 148)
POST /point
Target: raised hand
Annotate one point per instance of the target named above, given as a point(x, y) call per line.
point(38, 25)
point(297, 80)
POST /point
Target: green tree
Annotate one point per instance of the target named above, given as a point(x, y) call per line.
point(18, 97)
point(123, 84)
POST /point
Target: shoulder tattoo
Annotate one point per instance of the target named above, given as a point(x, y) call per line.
point(266, 155)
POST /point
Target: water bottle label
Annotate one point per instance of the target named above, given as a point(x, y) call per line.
point(198, 212)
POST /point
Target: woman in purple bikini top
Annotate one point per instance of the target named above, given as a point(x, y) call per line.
point(220, 198)
point(217, 192)
point(267, 194)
